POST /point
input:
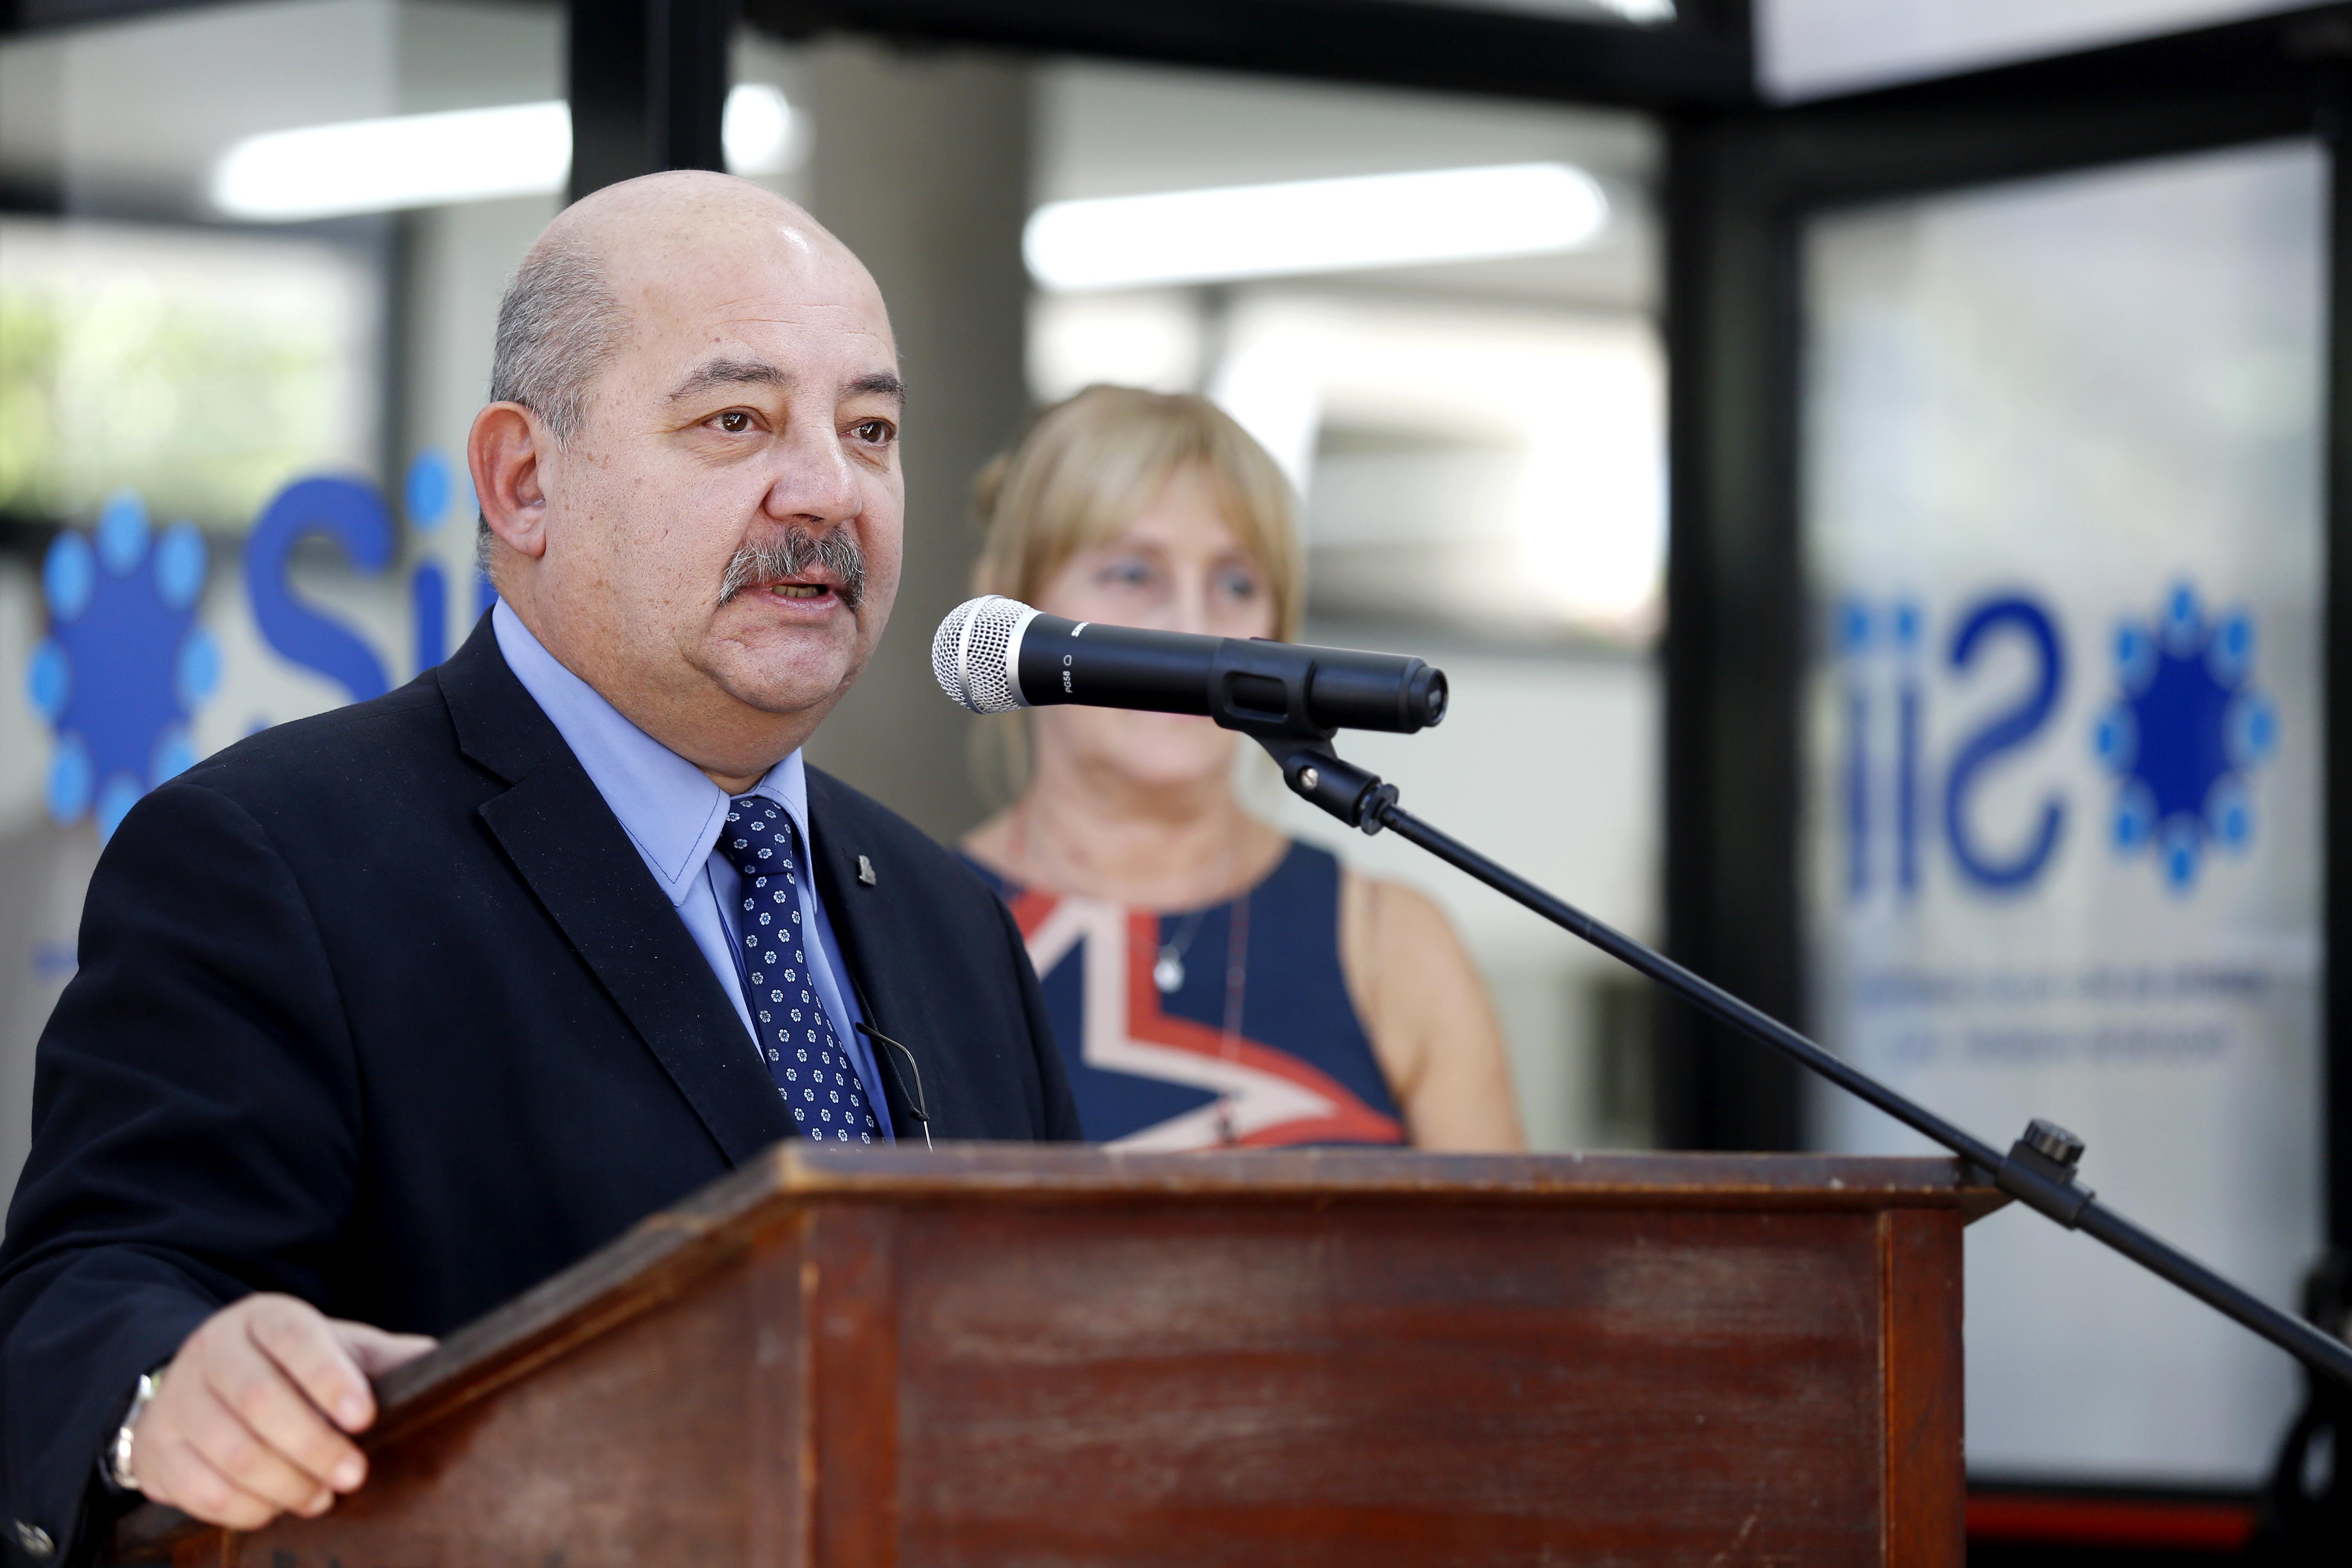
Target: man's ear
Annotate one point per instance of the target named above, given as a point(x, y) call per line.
point(503, 451)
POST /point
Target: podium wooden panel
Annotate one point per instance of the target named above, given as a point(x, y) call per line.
point(1014, 1356)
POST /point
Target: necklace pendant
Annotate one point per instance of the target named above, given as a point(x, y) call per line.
point(1168, 972)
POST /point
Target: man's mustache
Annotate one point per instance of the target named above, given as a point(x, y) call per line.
point(791, 555)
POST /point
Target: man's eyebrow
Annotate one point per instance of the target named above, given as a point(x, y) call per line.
point(729, 372)
point(880, 382)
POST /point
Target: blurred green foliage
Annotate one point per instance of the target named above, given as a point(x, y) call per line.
point(203, 387)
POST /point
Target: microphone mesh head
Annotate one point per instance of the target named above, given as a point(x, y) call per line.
point(972, 654)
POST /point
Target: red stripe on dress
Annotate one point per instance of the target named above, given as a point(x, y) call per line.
point(1351, 1120)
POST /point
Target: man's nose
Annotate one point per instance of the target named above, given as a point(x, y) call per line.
point(815, 480)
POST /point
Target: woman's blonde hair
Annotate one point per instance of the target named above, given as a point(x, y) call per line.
point(1087, 467)
point(1091, 463)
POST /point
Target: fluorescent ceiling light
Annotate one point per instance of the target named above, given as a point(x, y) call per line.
point(1314, 226)
point(757, 131)
point(406, 161)
point(463, 156)
point(1577, 10)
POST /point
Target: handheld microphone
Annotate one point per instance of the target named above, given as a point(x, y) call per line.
point(992, 655)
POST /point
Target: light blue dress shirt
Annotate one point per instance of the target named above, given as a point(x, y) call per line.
point(672, 813)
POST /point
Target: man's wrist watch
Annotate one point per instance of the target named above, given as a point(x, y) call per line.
point(118, 1456)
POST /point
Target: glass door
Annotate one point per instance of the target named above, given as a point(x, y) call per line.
point(2061, 723)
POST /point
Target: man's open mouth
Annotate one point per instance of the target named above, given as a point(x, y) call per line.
point(798, 564)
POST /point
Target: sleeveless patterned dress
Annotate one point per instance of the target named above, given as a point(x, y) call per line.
point(1257, 1044)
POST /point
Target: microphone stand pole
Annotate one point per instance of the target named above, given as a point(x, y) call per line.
point(2039, 1168)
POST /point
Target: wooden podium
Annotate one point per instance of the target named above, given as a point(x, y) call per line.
point(1006, 1354)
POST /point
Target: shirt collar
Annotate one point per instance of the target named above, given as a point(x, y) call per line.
point(669, 808)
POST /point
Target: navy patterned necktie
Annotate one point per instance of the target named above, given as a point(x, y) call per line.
point(811, 1070)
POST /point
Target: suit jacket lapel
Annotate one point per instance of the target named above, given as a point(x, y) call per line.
point(884, 965)
point(572, 852)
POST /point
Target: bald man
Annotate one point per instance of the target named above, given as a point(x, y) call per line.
point(386, 1016)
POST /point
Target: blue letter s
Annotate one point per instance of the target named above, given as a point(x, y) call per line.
point(355, 517)
point(2004, 733)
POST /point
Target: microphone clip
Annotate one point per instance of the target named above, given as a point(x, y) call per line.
point(1259, 688)
point(1320, 775)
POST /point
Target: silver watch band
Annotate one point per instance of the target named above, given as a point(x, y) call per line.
point(118, 1456)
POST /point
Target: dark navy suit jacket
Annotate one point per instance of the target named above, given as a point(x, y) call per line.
point(381, 1009)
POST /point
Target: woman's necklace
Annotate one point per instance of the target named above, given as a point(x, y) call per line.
point(1168, 966)
point(1237, 987)
point(1168, 969)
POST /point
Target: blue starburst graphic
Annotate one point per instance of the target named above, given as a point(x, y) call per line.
point(124, 667)
point(2187, 729)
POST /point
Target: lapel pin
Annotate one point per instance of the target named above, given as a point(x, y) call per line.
point(866, 871)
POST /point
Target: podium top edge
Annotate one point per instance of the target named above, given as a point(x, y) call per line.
point(982, 1172)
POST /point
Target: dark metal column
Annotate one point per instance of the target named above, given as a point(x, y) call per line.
point(933, 202)
point(2337, 994)
point(649, 87)
point(1733, 643)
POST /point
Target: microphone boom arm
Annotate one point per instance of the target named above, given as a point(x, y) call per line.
point(2038, 1169)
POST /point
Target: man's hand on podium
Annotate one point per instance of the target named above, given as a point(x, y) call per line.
point(249, 1421)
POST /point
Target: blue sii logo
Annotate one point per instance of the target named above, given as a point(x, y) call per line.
point(2183, 735)
point(124, 667)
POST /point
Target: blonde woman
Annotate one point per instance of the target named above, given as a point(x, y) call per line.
point(1210, 981)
